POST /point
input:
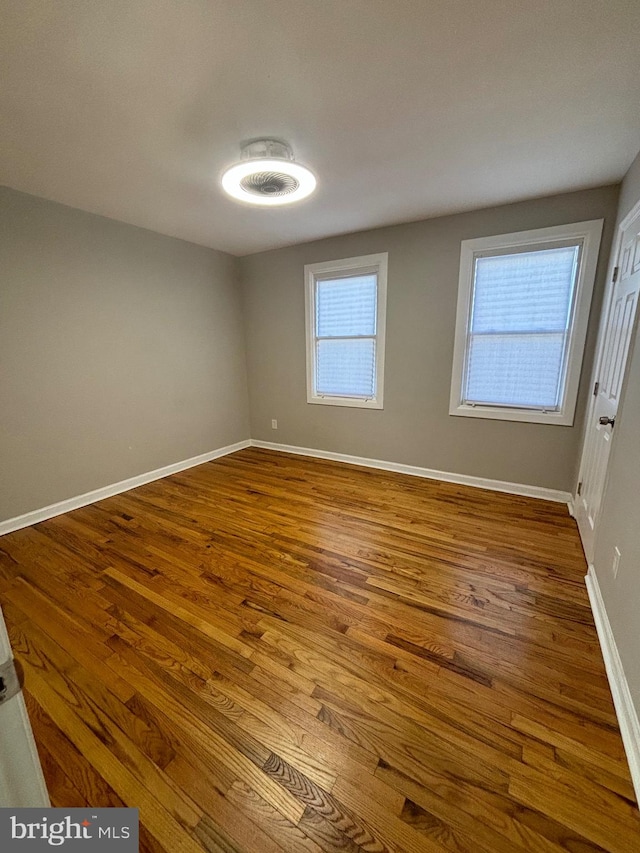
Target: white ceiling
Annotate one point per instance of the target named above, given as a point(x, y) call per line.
point(405, 109)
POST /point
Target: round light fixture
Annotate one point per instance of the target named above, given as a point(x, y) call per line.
point(267, 174)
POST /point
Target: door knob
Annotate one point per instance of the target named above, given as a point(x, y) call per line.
point(605, 420)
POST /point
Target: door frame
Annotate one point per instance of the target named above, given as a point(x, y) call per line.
point(22, 782)
point(607, 302)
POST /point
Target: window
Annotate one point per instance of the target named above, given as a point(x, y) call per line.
point(345, 309)
point(523, 307)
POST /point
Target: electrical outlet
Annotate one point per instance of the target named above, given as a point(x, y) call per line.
point(616, 561)
point(274, 424)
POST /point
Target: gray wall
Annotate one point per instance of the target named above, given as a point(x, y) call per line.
point(620, 520)
point(414, 427)
point(121, 351)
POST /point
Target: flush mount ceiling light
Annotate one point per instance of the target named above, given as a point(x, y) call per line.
point(267, 174)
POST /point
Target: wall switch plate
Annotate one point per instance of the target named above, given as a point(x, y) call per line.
point(274, 424)
point(616, 561)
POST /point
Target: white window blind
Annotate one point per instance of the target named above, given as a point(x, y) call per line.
point(345, 303)
point(519, 329)
point(345, 336)
point(521, 323)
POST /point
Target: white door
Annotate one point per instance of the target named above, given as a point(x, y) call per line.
point(21, 780)
point(613, 348)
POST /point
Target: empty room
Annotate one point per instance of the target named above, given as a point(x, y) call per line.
point(319, 418)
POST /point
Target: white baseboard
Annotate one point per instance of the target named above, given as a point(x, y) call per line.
point(622, 700)
point(50, 511)
point(571, 506)
point(415, 471)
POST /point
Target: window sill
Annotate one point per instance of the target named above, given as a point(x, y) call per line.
point(352, 402)
point(506, 414)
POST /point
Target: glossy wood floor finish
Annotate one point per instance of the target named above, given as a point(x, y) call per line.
point(271, 653)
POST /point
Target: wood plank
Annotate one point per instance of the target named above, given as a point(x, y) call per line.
point(157, 817)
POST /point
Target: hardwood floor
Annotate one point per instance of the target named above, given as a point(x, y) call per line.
point(271, 653)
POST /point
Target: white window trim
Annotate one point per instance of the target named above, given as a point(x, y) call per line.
point(347, 267)
point(590, 234)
